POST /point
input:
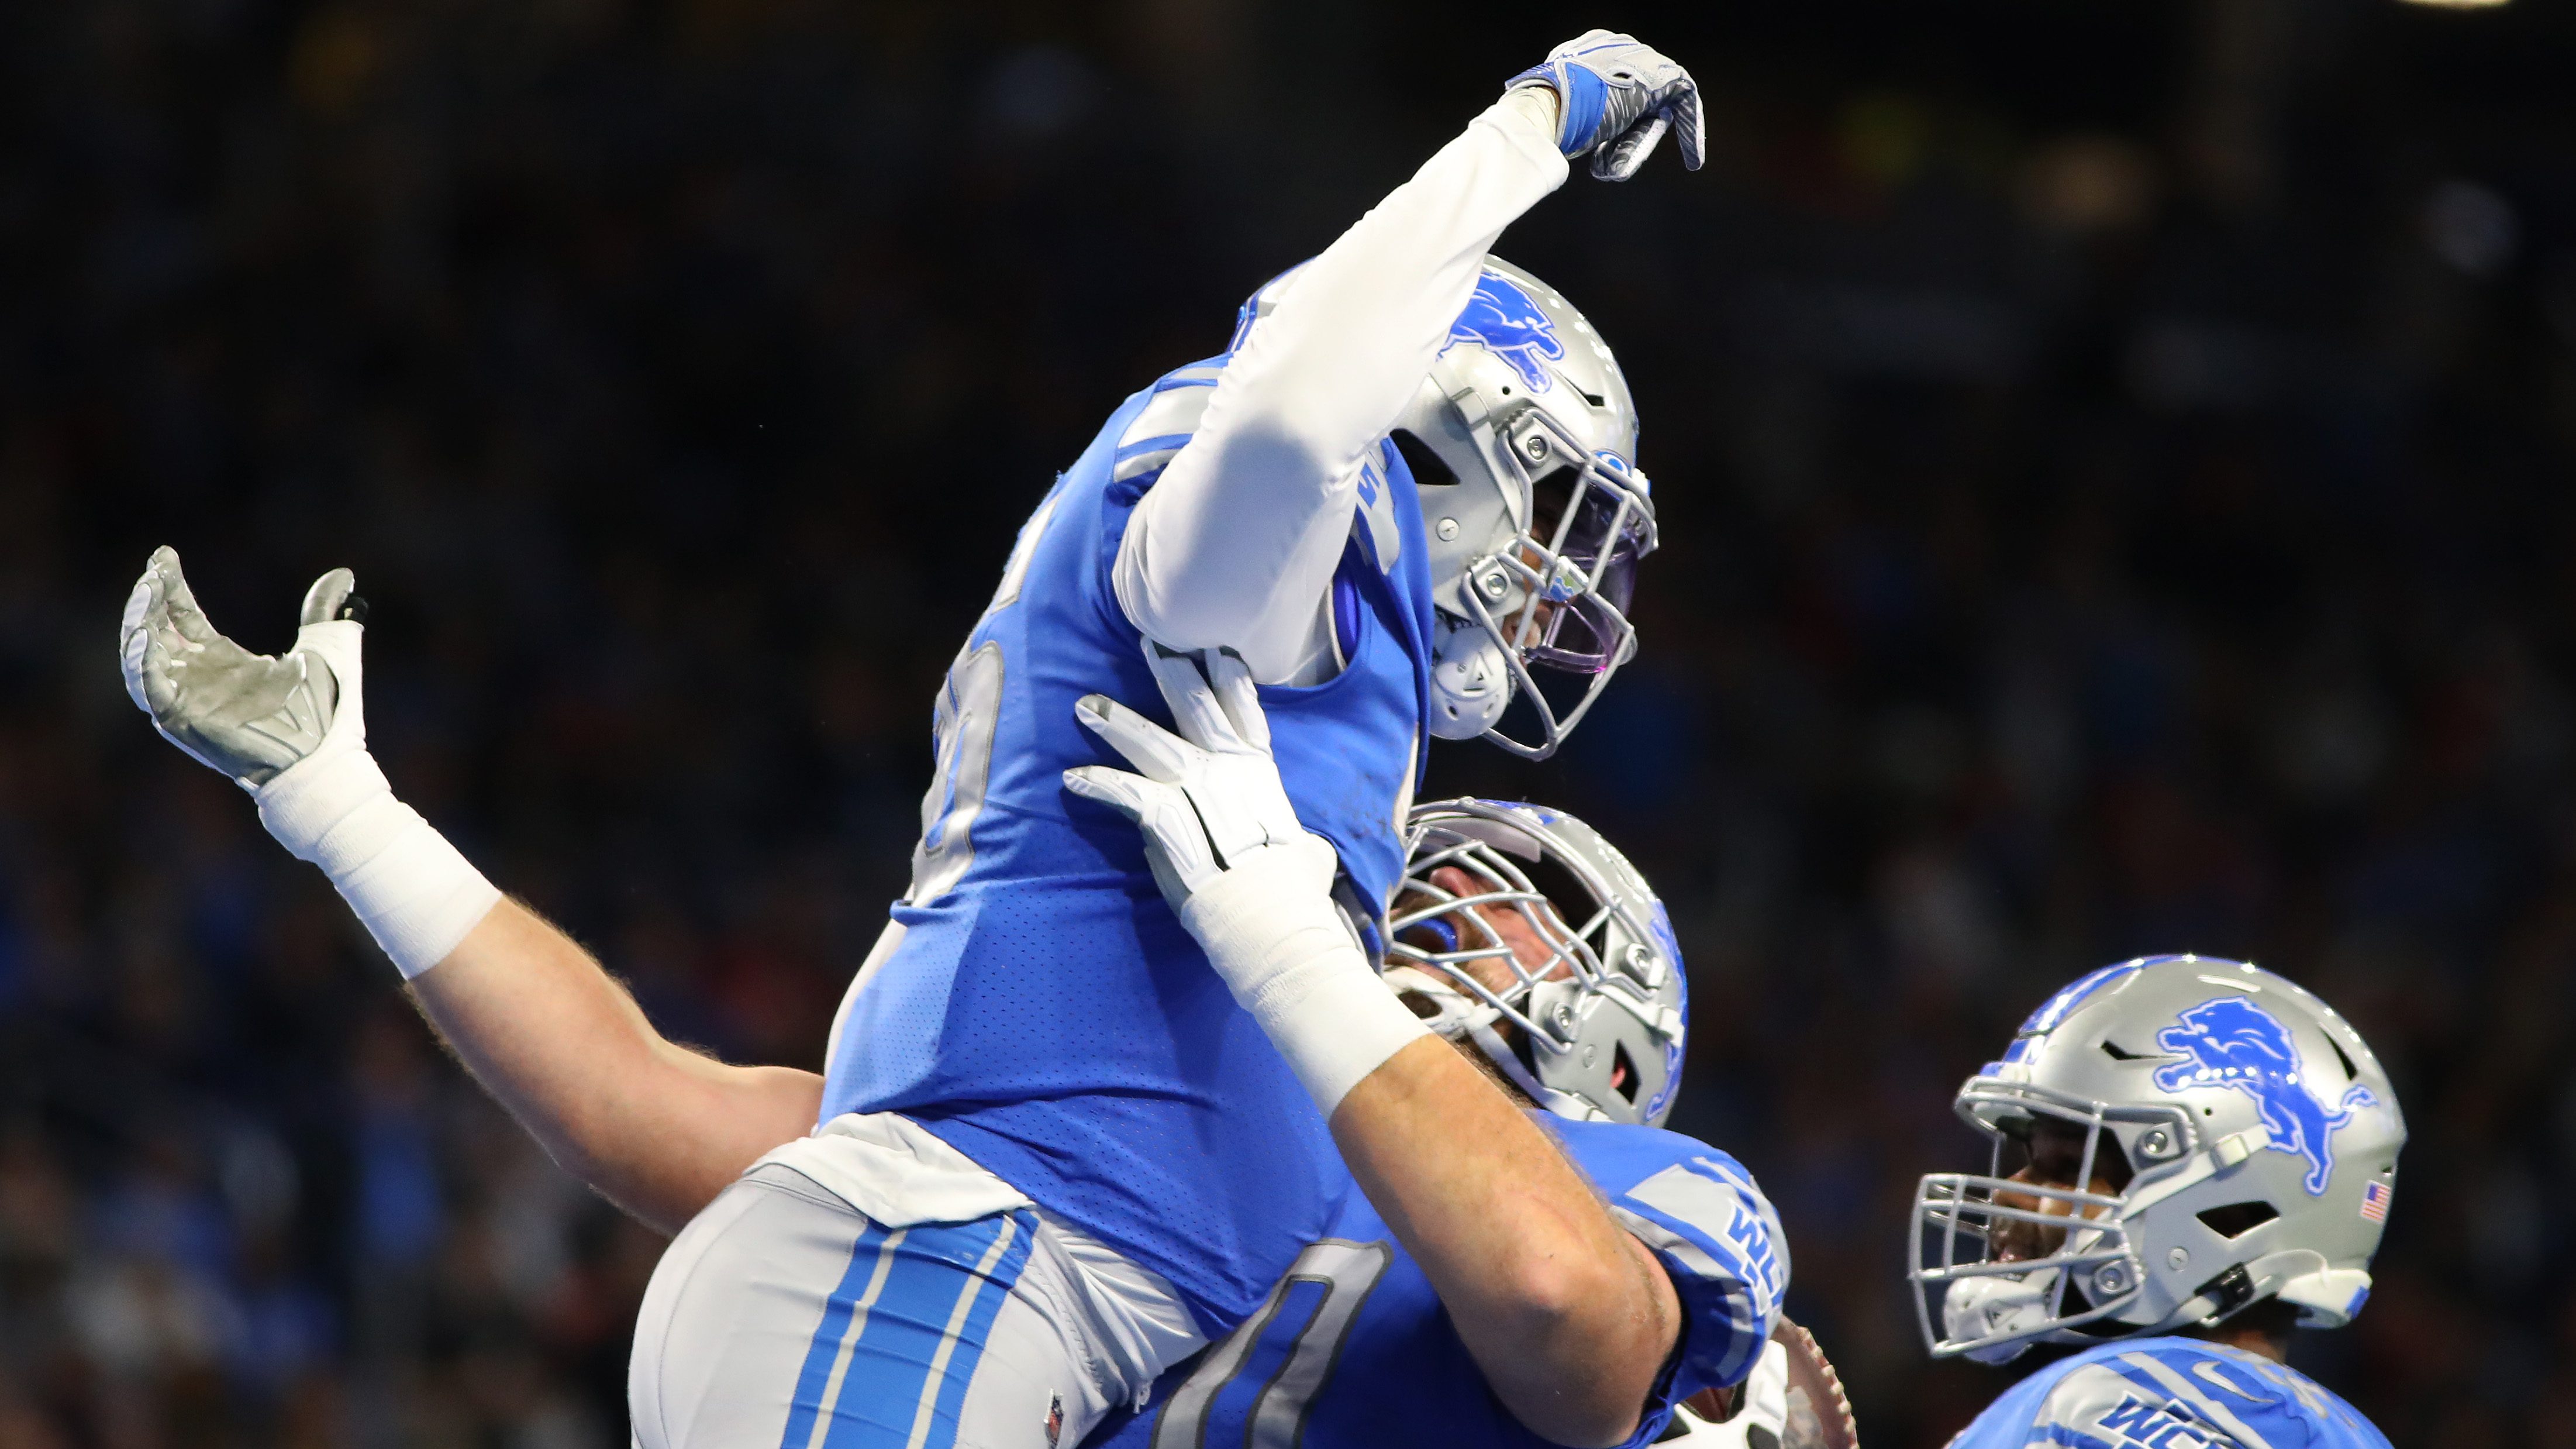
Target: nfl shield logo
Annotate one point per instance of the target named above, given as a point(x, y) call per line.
point(2374, 1200)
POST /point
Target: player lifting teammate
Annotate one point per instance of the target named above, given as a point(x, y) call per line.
point(1473, 1288)
point(1479, 1292)
point(1072, 1164)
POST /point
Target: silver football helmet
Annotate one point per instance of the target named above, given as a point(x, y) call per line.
point(1522, 441)
point(2231, 1139)
point(1601, 1015)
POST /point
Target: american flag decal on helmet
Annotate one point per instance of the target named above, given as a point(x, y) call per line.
point(2374, 1200)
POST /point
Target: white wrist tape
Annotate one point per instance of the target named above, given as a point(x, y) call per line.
point(414, 892)
point(1271, 929)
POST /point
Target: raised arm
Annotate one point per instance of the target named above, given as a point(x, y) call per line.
point(652, 1126)
point(1570, 1317)
point(1236, 543)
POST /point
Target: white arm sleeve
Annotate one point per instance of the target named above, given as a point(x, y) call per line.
point(1236, 544)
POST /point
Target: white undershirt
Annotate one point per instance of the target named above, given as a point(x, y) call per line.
point(1236, 544)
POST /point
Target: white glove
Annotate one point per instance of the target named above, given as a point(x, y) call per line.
point(1616, 98)
point(293, 732)
point(1253, 887)
point(1210, 797)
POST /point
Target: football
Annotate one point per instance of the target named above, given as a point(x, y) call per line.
point(1820, 1415)
point(1816, 1415)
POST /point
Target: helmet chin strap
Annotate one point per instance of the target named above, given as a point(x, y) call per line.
point(2028, 1305)
point(1457, 1009)
point(1508, 1062)
point(1464, 1019)
point(1471, 681)
point(1976, 1308)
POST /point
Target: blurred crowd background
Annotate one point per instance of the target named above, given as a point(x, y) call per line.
point(2114, 461)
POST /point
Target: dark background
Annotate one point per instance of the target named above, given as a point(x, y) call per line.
point(2114, 464)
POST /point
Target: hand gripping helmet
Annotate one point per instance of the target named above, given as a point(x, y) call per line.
point(2258, 1134)
point(1601, 1018)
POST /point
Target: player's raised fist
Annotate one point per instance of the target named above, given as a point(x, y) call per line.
point(247, 715)
point(1615, 99)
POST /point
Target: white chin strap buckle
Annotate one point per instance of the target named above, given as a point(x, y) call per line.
point(1471, 683)
point(1459, 1015)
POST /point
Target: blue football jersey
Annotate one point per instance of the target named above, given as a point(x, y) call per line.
point(1044, 1011)
point(1353, 1350)
point(2169, 1393)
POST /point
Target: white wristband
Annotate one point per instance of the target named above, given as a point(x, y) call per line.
point(1271, 929)
point(413, 891)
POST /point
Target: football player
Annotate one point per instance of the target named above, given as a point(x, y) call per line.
point(1474, 1288)
point(2193, 1159)
point(1410, 480)
point(1594, 1323)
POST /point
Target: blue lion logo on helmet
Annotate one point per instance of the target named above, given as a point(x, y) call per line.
point(1508, 322)
point(2236, 1044)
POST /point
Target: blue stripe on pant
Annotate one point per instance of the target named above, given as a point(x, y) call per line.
point(901, 1336)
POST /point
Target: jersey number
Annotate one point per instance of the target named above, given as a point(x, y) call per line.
point(962, 725)
point(970, 705)
point(1266, 1374)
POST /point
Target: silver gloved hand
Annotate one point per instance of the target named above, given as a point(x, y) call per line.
point(1617, 98)
point(246, 715)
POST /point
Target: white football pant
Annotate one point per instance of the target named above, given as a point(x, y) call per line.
point(784, 1315)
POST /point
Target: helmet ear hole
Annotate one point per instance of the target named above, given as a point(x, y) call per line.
point(1425, 465)
point(1623, 1075)
point(2238, 1218)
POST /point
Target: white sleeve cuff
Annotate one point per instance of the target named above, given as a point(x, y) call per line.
point(1530, 116)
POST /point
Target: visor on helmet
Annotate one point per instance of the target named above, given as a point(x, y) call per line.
point(1555, 593)
point(1580, 607)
